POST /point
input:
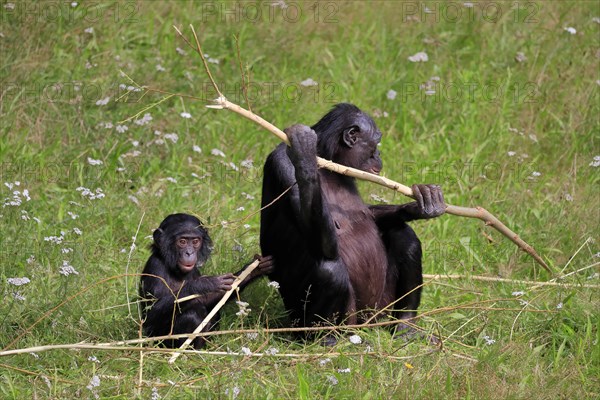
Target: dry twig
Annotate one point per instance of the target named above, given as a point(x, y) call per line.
point(216, 308)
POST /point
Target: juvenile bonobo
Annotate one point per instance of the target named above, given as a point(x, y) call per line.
point(181, 246)
point(337, 259)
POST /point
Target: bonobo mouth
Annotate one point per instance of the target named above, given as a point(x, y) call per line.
point(375, 171)
point(187, 267)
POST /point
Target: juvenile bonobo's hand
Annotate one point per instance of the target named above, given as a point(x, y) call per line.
point(222, 283)
point(430, 200)
point(303, 148)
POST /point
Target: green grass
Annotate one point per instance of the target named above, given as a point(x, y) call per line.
point(486, 105)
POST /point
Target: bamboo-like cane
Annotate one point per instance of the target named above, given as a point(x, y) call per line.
point(478, 212)
point(216, 308)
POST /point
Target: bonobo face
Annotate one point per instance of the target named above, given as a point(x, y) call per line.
point(187, 249)
point(359, 145)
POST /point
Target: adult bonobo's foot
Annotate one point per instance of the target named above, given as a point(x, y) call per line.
point(408, 333)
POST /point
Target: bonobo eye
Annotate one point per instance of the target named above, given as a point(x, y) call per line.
point(196, 242)
point(182, 242)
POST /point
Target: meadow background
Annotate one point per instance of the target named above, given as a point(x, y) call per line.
point(504, 113)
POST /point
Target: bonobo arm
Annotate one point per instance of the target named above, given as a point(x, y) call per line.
point(313, 213)
point(429, 204)
point(265, 266)
point(211, 288)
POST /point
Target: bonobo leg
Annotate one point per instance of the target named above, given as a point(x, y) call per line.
point(404, 272)
point(186, 323)
point(330, 297)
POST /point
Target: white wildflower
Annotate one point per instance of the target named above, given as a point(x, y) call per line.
point(94, 382)
point(160, 68)
point(391, 94)
point(271, 351)
point(243, 309)
point(103, 102)
point(324, 362)
point(309, 82)
point(571, 30)
point(595, 162)
point(273, 284)
point(252, 335)
point(155, 395)
point(518, 293)
point(18, 281)
point(246, 226)
point(568, 197)
point(217, 152)
point(511, 153)
point(171, 179)
point(520, 57)
point(489, 341)
point(67, 269)
point(122, 128)
point(355, 339)
point(246, 351)
point(91, 161)
point(173, 137)
point(180, 51)
point(332, 380)
point(93, 359)
point(145, 120)
point(248, 164)
point(240, 209)
point(18, 296)
point(186, 115)
point(233, 392)
point(89, 30)
point(419, 57)
point(559, 306)
point(197, 149)
point(77, 231)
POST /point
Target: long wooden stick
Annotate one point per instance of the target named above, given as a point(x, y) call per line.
point(478, 212)
point(216, 308)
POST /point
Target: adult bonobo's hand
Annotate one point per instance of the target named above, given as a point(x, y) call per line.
point(265, 265)
point(430, 200)
point(303, 148)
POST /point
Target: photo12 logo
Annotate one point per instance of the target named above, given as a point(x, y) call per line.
point(52, 12)
point(469, 11)
point(269, 11)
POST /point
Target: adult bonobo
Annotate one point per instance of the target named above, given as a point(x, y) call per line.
point(337, 259)
point(181, 246)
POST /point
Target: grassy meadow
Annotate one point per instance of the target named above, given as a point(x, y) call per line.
point(502, 110)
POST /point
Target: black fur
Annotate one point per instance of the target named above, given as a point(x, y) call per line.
point(336, 258)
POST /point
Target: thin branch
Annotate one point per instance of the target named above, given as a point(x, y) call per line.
point(513, 281)
point(128, 263)
point(216, 308)
point(244, 83)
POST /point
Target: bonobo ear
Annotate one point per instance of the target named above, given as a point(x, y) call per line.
point(350, 136)
point(156, 235)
